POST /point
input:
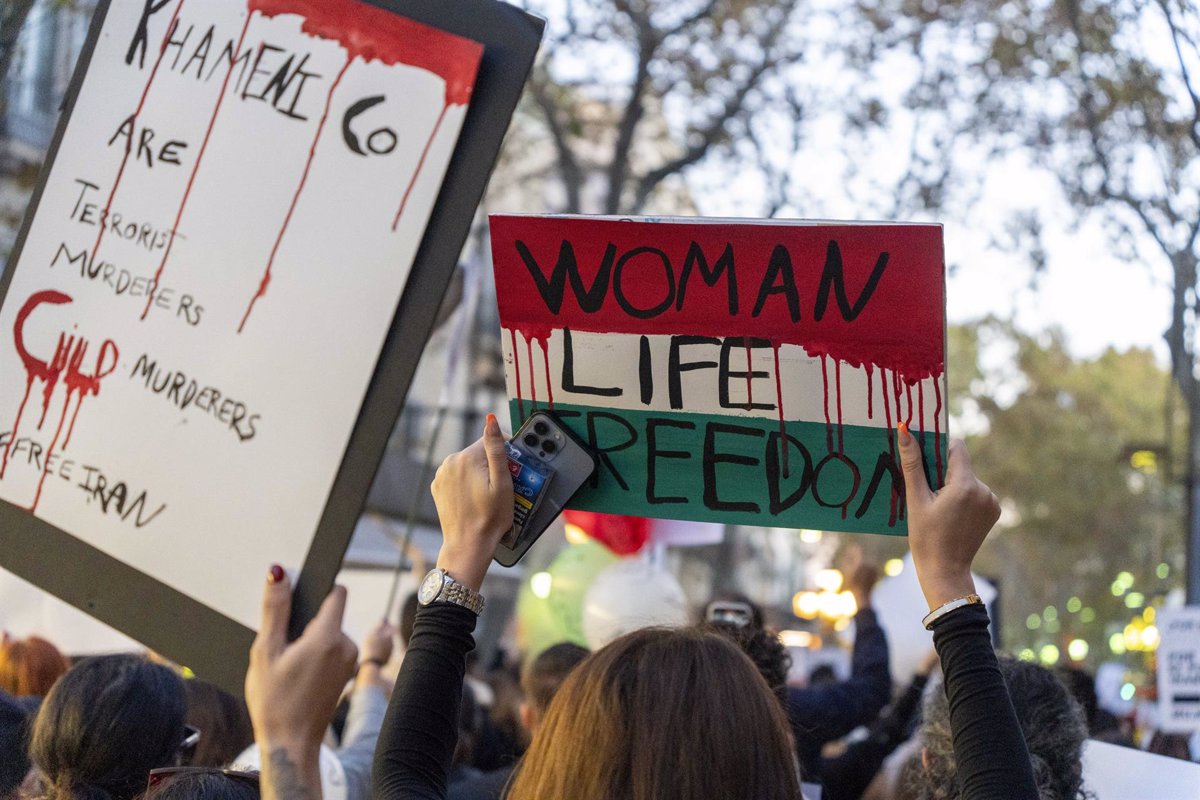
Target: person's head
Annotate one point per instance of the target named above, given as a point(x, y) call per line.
point(223, 722)
point(1053, 724)
point(765, 650)
point(822, 675)
point(29, 667)
point(542, 678)
point(204, 784)
point(733, 602)
point(661, 714)
point(106, 723)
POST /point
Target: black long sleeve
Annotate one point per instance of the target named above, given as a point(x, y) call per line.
point(420, 731)
point(989, 747)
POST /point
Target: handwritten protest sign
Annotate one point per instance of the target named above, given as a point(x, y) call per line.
point(1179, 669)
point(243, 193)
point(739, 372)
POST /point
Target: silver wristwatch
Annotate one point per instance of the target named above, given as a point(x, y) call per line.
point(439, 587)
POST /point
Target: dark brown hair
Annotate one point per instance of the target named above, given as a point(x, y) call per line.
point(30, 667)
point(545, 674)
point(662, 715)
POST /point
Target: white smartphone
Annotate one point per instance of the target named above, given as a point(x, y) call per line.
point(549, 465)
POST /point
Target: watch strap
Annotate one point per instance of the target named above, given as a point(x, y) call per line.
point(456, 593)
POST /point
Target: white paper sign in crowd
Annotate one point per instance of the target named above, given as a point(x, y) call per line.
point(1179, 669)
point(214, 263)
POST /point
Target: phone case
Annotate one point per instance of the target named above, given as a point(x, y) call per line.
point(569, 469)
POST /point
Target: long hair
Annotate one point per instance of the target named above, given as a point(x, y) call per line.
point(662, 715)
point(29, 667)
point(1052, 721)
point(106, 723)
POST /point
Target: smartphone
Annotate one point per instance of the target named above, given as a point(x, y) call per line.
point(548, 464)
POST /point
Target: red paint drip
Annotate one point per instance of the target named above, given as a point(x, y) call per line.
point(937, 428)
point(517, 371)
point(891, 435)
point(16, 425)
point(192, 178)
point(37, 496)
point(545, 343)
point(896, 392)
point(921, 406)
point(783, 443)
point(908, 395)
point(162, 51)
point(372, 34)
point(266, 279)
point(837, 372)
point(828, 423)
point(532, 381)
point(420, 165)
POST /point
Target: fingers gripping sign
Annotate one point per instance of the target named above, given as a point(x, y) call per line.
point(945, 528)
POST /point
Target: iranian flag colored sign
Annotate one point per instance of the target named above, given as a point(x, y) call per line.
point(747, 372)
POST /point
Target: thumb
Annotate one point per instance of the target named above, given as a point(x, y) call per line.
point(915, 483)
point(497, 456)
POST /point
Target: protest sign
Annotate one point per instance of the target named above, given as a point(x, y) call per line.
point(731, 371)
point(1179, 669)
point(247, 222)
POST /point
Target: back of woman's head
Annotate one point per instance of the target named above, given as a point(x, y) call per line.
point(29, 667)
point(1051, 719)
point(106, 723)
point(205, 785)
point(662, 715)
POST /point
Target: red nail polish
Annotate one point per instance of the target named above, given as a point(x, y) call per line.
point(492, 423)
point(903, 426)
point(276, 574)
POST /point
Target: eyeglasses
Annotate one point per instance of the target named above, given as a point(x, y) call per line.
point(191, 738)
point(157, 776)
point(735, 613)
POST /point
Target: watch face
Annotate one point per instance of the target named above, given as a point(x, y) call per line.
point(430, 587)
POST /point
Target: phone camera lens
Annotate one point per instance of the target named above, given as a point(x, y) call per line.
point(531, 440)
point(549, 446)
point(541, 428)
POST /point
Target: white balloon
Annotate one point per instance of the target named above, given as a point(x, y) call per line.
point(900, 606)
point(630, 595)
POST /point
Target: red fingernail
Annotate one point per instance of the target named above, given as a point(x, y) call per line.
point(276, 574)
point(492, 424)
point(903, 427)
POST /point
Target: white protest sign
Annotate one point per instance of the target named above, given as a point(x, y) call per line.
point(1122, 773)
point(214, 263)
point(1179, 669)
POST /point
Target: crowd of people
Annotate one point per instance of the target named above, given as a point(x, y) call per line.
point(704, 711)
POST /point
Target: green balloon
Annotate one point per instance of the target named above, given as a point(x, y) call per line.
point(558, 617)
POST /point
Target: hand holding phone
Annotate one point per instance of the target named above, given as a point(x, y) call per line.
point(548, 466)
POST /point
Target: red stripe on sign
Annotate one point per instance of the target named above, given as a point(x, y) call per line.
point(863, 294)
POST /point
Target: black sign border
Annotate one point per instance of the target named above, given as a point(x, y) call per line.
point(214, 646)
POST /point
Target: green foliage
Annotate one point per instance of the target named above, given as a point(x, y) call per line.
point(1058, 452)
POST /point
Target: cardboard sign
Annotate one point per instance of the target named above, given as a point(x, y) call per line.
point(200, 349)
point(731, 371)
point(1179, 669)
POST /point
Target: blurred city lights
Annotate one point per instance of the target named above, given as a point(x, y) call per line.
point(1135, 600)
point(1051, 613)
point(1116, 643)
point(1118, 588)
point(1163, 571)
point(829, 580)
point(1087, 615)
point(1074, 605)
point(1150, 637)
point(1149, 615)
point(575, 534)
point(1033, 622)
point(1144, 461)
point(1027, 655)
point(894, 567)
point(1052, 626)
point(806, 605)
point(1125, 578)
point(1049, 655)
point(540, 584)
point(1077, 649)
point(1127, 691)
point(810, 536)
point(798, 639)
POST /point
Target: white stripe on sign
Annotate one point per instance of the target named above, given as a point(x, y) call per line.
point(713, 376)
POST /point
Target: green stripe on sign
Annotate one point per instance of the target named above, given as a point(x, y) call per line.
point(718, 468)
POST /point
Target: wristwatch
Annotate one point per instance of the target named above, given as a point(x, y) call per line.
point(439, 587)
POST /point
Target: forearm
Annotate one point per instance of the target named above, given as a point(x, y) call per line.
point(989, 746)
point(420, 731)
point(290, 770)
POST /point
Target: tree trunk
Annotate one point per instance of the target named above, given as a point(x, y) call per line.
point(12, 18)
